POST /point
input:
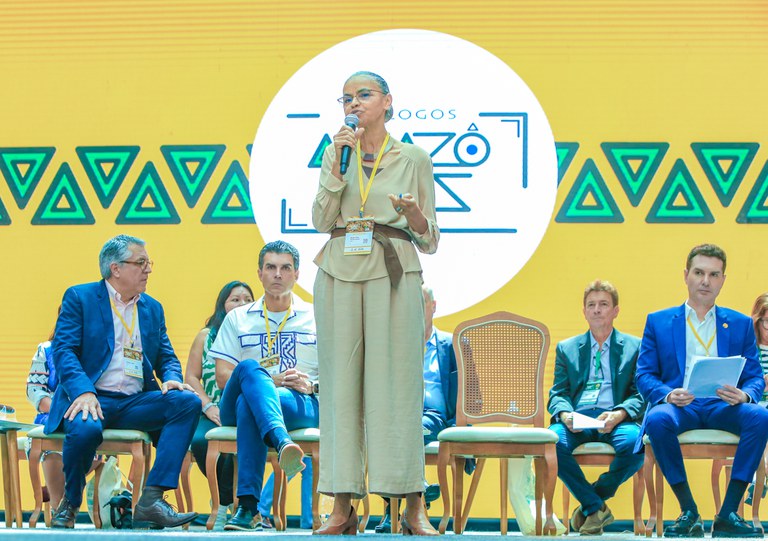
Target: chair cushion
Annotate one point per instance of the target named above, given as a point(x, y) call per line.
point(432, 448)
point(109, 434)
point(594, 448)
point(305, 434)
point(505, 434)
point(703, 437)
point(225, 433)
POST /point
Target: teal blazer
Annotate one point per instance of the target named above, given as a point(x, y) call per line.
point(572, 363)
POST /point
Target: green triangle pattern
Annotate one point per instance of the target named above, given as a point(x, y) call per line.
point(5, 218)
point(191, 182)
point(725, 181)
point(755, 209)
point(148, 202)
point(107, 182)
point(679, 184)
point(63, 203)
point(575, 208)
point(316, 162)
point(23, 183)
point(231, 204)
point(565, 154)
point(635, 180)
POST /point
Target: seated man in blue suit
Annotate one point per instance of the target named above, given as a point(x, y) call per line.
point(440, 390)
point(110, 342)
point(595, 376)
point(670, 340)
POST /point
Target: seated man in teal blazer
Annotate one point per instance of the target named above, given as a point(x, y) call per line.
point(595, 376)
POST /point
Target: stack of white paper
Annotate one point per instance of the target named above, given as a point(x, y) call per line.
point(707, 374)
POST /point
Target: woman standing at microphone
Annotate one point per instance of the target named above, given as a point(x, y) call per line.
point(369, 310)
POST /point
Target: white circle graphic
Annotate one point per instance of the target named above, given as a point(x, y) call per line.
point(492, 149)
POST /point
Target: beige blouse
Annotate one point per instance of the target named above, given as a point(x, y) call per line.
point(406, 168)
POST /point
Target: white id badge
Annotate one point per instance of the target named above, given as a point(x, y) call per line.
point(133, 364)
point(359, 237)
point(590, 394)
point(271, 364)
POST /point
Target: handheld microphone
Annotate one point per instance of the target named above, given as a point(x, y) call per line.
point(351, 121)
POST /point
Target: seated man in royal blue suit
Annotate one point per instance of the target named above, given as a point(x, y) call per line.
point(595, 376)
point(670, 340)
point(109, 343)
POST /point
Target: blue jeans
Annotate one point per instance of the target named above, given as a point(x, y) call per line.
point(173, 416)
point(251, 402)
point(591, 496)
point(748, 421)
point(299, 411)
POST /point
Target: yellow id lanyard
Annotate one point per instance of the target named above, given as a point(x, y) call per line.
point(128, 329)
point(365, 191)
point(696, 335)
point(270, 339)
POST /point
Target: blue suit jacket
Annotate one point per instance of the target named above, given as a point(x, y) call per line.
point(572, 364)
point(85, 339)
point(661, 364)
point(449, 375)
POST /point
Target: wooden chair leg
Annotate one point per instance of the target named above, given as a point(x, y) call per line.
point(443, 458)
point(550, 465)
point(472, 491)
point(13, 460)
point(214, 451)
point(394, 512)
point(717, 468)
point(35, 452)
point(458, 493)
point(648, 466)
point(185, 490)
point(316, 522)
point(504, 480)
point(96, 502)
point(278, 493)
point(7, 492)
point(659, 484)
point(638, 491)
point(566, 509)
point(757, 495)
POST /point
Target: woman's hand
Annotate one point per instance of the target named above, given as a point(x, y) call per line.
point(213, 414)
point(406, 205)
point(345, 137)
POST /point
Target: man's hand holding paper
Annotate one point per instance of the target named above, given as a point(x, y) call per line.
point(732, 395)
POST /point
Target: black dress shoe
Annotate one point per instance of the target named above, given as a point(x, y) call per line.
point(734, 526)
point(65, 515)
point(385, 526)
point(156, 514)
point(244, 520)
point(688, 524)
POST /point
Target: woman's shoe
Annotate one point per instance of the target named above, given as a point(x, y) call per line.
point(421, 528)
point(347, 528)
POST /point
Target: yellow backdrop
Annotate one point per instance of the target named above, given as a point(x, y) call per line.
point(150, 74)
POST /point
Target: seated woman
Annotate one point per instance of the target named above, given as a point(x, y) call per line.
point(201, 375)
point(41, 384)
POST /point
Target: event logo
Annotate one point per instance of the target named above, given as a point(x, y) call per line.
point(495, 165)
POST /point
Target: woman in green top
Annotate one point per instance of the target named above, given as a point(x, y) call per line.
point(201, 375)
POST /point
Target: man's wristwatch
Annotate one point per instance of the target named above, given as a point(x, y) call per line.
point(315, 387)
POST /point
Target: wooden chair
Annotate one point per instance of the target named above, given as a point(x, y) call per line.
point(135, 443)
point(697, 444)
point(309, 441)
point(501, 359)
point(602, 454)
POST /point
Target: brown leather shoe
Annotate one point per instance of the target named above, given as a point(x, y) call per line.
point(419, 526)
point(349, 527)
point(577, 519)
point(65, 515)
point(158, 514)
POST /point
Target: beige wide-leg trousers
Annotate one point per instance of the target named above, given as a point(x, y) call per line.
point(370, 340)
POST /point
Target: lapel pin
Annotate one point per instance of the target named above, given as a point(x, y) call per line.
point(725, 325)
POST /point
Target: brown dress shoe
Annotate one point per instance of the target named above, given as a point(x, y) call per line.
point(419, 526)
point(65, 515)
point(347, 528)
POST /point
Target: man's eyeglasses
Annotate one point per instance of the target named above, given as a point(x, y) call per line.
point(362, 95)
point(143, 264)
point(764, 323)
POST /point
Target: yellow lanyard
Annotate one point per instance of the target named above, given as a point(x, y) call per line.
point(128, 329)
point(270, 339)
point(364, 192)
point(696, 335)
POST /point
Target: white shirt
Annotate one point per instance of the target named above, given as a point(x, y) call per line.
point(706, 330)
point(114, 379)
point(243, 336)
